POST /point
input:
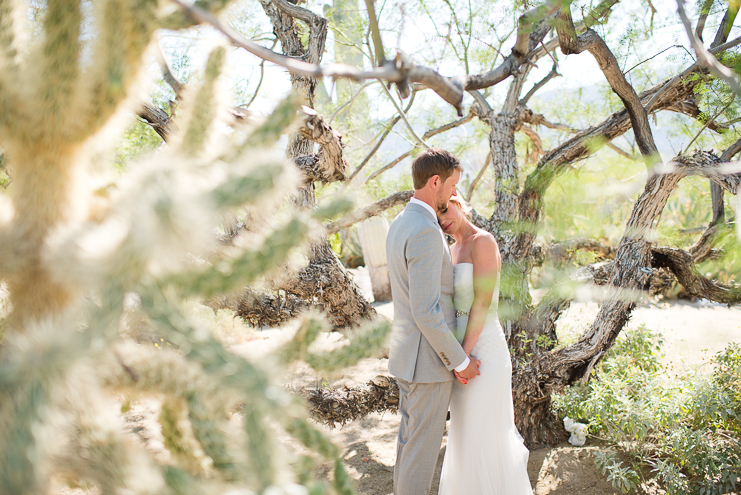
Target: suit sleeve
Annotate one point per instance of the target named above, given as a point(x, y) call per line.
point(424, 255)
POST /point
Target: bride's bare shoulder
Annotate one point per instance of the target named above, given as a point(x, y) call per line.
point(485, 248)
point(484, 240)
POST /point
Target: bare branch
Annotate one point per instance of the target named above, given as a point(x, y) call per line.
point(381, 139)
point(376, 35)
point(403, 116)
point(538, 119)
point(333, 406)
point(474, 183)
point(682, 266)
point(704, 11)
point(317, 26)
point(553, 73)
point(703, 248)
point(706, 164)
point(482, 108)
point(558, 252)
point(726, 24)
point(537, 144)
point(707, 123)
point(259, 82)
point(617, 149)
point(731, 151)
point(167, 73)
point(158, 119)
point(426, 135)
point(399, 70)
point(448, 126)
point(591, 41)
point(369, 211)
point(350, 101)
point(388, 166)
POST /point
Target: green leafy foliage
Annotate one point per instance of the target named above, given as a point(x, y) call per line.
point(684, 430)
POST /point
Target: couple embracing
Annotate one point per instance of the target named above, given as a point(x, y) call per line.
point(447, 349)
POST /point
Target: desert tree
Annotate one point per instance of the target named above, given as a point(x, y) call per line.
point(636, 265)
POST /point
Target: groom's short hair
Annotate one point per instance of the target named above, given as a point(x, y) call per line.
point(431, 162)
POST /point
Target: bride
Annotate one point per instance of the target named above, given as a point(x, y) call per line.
point(485, 453)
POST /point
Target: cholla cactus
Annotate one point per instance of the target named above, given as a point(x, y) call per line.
point(68, 266)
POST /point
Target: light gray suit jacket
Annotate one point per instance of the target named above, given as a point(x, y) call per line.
point(423, 348)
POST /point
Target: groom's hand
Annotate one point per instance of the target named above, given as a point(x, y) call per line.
point(472, 371)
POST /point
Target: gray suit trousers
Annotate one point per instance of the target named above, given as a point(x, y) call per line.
point(423, 408)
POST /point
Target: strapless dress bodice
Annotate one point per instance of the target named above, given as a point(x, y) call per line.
point(463, 299)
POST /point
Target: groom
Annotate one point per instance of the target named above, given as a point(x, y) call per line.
point(423, 352)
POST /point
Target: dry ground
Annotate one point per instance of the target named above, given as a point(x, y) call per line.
point(692, 332)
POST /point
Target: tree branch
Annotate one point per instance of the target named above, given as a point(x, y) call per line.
point(333, 406)
point(158, 119)
point(381, 139)
point(369, 211)
point(399, 71)
point(537, 144)
point(591, 41)
point(553, 73)
point(388, 166)
point(704, 12)
point(331, 163)
point(477, 179)
point(682, 266)
point(706, 58)
point(426, 135)
point(725, 25)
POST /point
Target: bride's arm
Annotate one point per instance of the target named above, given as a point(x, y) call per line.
point(486, 266)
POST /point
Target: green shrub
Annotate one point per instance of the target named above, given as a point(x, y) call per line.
point(684, 431)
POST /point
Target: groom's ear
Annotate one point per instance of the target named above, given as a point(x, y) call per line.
point(434, 181)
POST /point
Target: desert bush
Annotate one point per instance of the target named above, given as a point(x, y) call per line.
point(73, 254)
point(682, 430)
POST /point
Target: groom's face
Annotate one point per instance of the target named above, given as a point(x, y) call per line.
point(446, 190)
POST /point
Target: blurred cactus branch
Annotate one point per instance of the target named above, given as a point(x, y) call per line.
point(73, 265)
point(126, 30)
point(162, 122)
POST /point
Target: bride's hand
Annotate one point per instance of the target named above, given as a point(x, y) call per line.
point(460, 379)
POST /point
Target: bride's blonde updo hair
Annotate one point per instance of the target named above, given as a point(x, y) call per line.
point(461, 203)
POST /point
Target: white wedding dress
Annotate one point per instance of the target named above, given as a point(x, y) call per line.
point(485, 453)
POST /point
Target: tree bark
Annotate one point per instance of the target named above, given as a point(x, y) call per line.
point(324, 281)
